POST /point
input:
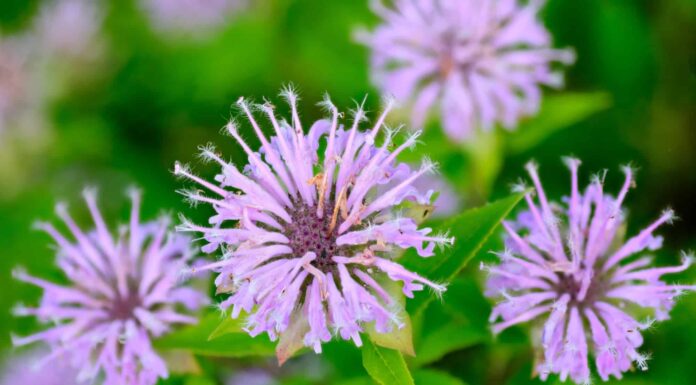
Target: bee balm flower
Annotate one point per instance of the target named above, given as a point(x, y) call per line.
point(569, 264)
point(121, 291)
point(303, 235)
point(480, 62)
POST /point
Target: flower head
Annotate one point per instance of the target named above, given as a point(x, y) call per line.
point(569, 263)
point(481, 62)
point(121, 291)
point(190, 15)
point(304, 236)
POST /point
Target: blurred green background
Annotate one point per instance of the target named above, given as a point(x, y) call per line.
point(151, 99)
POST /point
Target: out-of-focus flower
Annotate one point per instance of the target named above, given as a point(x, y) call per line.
point(305, 239)
point(63, 29)
point(23, 123)
point(69, 28)
point(122, 291)
point(481, 62)
point(570, 264)
point(36, 67)
point(21, 369)
point(193, 16)
point(14, 81)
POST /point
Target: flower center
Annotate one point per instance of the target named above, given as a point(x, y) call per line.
point(308, 232)
point(463, 64)
point(122, 307)
point(446, 65)
point(572, 284)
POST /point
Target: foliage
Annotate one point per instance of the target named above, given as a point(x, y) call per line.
point(124, 120)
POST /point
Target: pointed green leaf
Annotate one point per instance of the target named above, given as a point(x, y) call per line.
point(471, 229)
point(228, 325)
point(397, 339)
point(385, 366)
point(557, 112)
point(195, 340)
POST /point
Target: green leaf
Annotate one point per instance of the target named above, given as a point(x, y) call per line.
point(465, 302)
point(343, 359)
point(471, 229)
point(456, 324)
point(228, 326)
point(430, 376)
point(485, 153)
point(195, 339)
point(385, 366)
point(557, 112)
point(397, 339)
point(448, 338)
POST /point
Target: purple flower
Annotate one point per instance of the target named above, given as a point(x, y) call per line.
point(21, 369)
point(481, 62)
point(570, 264)
point(63, 29)
point(121, 291)
point(69, 28)
point(28, 76)
point(190, 15)
point(304, 236)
